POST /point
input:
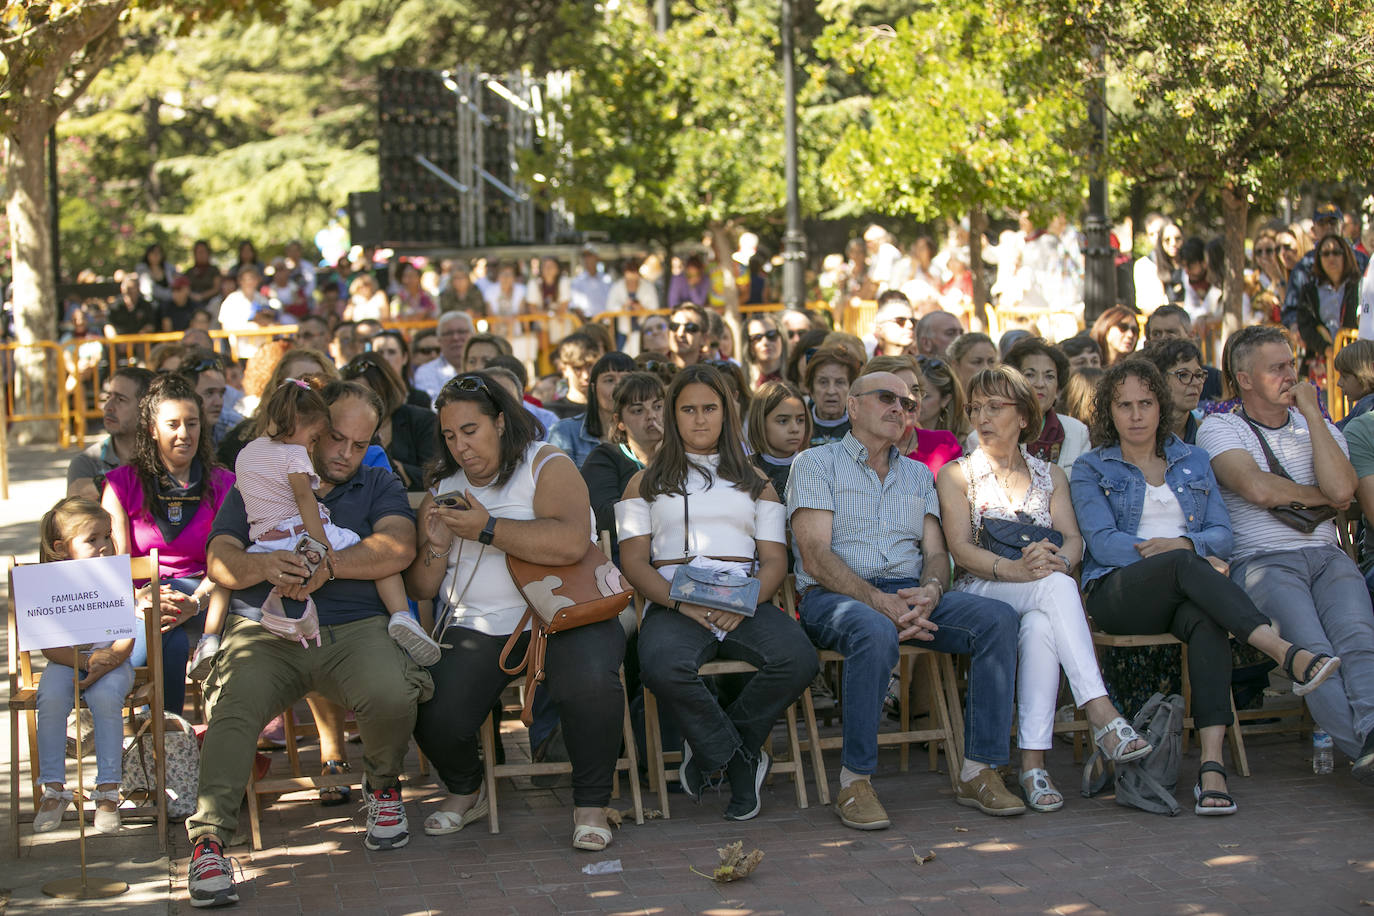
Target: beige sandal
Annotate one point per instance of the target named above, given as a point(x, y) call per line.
point(49, 819)
point(442, 823)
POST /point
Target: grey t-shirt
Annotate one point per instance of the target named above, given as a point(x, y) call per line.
point(95, 462)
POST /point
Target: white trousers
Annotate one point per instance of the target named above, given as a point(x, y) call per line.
point(1054, 634)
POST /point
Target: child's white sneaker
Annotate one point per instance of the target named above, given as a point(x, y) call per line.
point(409, 635)
point(204, 657)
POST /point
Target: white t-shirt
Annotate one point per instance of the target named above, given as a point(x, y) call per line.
point(1256, 530)
point(1161, 516)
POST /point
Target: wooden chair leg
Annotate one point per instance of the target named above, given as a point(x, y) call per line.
point(254, 811)
point(1187, 694)
point(424, 764)
point(953, 758)
point(658, 775)
point(489, 740)
point(954, 706)
point(904, 666)
point(794, 748)
point(632, 758)
point(813, 738)
point(14, 782)
point(1238, 758)
point(293, 754)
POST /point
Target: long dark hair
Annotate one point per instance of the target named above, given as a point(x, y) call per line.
point(615, 361)
point(492, 400)
point(1104, 430)
point(666, 474)
point(146, 461)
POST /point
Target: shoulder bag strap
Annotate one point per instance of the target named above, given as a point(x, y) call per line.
point(445, 621)
point(1274, 466)
point(532, 664)
point(686, 551)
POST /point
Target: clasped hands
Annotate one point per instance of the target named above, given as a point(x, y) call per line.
point(909, 609)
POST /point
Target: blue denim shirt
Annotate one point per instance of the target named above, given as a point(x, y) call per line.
point(571, 436)
point(1109, 496)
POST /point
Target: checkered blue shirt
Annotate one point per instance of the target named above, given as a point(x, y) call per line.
point(877, 524)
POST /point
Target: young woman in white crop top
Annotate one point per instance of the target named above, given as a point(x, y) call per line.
point(701, 501)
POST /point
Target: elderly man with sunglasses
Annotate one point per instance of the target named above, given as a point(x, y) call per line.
point(357, 664)
point(872, 570)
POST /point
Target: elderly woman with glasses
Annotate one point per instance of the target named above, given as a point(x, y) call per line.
point(496, 490)
point(983, 498)
point(1179, 361)
point(1061, 438)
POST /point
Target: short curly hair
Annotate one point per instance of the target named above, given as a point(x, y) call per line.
point(1103, 429)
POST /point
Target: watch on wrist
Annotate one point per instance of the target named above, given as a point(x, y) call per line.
point(489, 531)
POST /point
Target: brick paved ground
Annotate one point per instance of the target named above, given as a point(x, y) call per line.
point(1300, 843)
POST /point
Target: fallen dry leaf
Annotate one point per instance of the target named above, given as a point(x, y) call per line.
point(652, 814)
point(735, 863)
point(1228, 845)
point(922, 859)
point(961, 830)
point(613, 816)
point(464, 875)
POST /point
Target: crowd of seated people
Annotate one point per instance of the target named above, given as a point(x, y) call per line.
point(872, 470)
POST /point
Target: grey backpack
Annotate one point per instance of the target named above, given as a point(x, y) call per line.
point(1149, 782)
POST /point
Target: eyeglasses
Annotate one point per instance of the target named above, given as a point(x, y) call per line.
point(472, 383)
point(1265, 252)
point(691, 327)
point(1333, 253)
point(903, 320)
point(887, 398)
point(359, 366)
point(1189, 378)
point(204, 365)
point(932, 362)
point(764, 335)
point(1287, 247)
point(427, 351)
point(992, 408)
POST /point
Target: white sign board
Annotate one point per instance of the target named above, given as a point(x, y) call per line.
point(74, 602)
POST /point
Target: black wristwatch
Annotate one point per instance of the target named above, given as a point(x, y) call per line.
point(489, 531)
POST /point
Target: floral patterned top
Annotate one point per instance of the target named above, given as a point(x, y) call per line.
point(987, 498)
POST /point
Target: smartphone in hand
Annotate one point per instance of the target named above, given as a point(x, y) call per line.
point(311, 551)
point(452, 500)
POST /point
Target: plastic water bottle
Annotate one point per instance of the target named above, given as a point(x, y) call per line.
point(1321, 752)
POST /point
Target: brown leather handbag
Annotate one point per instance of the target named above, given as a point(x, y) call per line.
point(560, 598)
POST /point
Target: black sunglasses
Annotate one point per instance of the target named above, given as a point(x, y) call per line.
point(204, 365)
point(764, 335)
point(473, 383)
point(888, 397)
point(902, 320)
point(427, 351)
point(932, 362)
point(690, 326)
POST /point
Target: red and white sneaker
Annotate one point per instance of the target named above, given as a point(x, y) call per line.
point(210, 878)
point(386, 820)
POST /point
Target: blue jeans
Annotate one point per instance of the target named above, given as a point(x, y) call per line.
point(982, 628)
point(176, 651)
point(671, 649)
point(105, 698)
point(1319, 601)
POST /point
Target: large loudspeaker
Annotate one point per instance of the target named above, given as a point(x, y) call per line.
point(365, 218)
point(417, 114)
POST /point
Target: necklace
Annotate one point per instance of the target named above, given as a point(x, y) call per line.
point(1004, 479)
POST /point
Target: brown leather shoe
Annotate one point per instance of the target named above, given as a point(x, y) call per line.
point(989, 794)
point(858, 807)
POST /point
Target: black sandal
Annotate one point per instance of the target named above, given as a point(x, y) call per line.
point(1318, 669)
point(1200, 794)
point(331, 796)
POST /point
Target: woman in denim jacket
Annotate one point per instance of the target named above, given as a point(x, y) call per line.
point(1157, 535)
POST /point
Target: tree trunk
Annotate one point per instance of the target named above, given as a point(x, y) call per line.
point(1235, 208)
point(152, 126)
point(723, 247)
point(977, 222)
point(34, 293)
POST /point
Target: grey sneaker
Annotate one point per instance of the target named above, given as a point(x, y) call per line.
point(387, 827)
point(210, 878)
point(409, 635)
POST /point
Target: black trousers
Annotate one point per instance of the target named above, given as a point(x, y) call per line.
point(671, 649)
point(1181, 594)
point(583, 680)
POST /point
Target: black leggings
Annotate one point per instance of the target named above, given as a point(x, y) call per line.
point(1180, 593)
point(583, 679)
